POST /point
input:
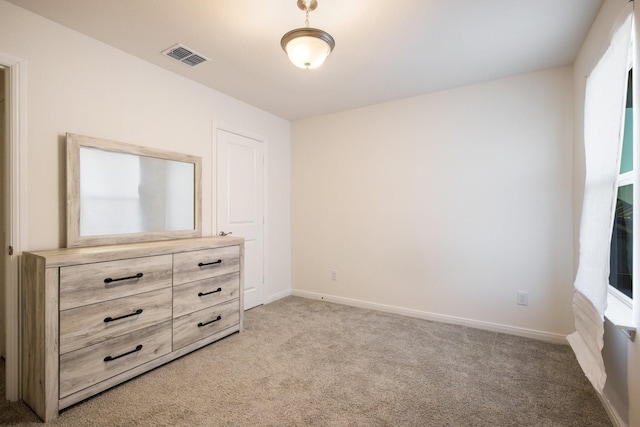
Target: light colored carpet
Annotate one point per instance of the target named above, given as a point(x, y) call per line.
point(302, 362)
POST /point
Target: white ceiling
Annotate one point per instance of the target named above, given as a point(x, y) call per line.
point(385, 49)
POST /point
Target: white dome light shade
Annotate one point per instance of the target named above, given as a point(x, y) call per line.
point(307, 47)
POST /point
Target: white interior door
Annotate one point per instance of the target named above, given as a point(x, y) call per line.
point(4, 258)
point(240, 199)
point(15, 79)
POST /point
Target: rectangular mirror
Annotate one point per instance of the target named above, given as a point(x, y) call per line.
point(121, 193)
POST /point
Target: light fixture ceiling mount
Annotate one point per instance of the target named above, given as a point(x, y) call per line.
point(307, 47)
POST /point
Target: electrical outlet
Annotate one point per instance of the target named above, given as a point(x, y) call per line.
point(523, 298)
point(334, 275)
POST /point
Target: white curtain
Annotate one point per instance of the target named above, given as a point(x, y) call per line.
point(636, 143)
point(604, 109)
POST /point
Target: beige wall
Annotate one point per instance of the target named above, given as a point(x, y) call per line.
point(77, 84)
point(442, 206)
point(621, 356)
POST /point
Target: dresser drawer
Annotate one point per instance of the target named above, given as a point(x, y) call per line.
point(205, 293)
point(197, 265)
point(102, 281)
point(92, 324)
point(196, 326)
point(90, 365)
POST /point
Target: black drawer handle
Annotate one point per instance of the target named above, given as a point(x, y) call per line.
point(201, 294)
point(109, 279)
point(202, 264)
point(201, 324)
point(111, 319)
point(110, 358)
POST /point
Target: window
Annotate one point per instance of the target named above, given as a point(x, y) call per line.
point(621, 257)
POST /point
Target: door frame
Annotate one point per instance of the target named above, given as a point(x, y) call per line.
point(265, 208)
point(15, 146)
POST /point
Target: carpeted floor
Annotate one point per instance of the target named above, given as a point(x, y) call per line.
point(302, 362)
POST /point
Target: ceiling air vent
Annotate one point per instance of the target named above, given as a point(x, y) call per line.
point(185, 55)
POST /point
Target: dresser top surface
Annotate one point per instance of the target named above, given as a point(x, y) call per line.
point(71, 256)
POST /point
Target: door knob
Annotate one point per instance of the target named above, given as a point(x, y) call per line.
point(222, 233)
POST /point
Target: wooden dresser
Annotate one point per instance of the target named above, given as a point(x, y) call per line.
point(97, 316)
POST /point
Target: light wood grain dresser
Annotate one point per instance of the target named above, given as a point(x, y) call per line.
point(94, 317)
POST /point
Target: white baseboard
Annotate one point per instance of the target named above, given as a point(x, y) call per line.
point(495, 327)
point(279, 295)
point(614, 416)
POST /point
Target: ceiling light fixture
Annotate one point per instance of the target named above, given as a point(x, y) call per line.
point(307, 47)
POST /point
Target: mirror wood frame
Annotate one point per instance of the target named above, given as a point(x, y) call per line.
point(75, 239)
